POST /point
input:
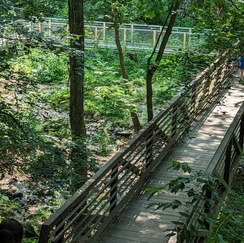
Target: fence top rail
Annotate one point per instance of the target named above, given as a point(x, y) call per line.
point(109, 24)
point(226, 140)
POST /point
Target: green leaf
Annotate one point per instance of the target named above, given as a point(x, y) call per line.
point(201, 222)
point(187, 235)
point(186, 168)
point(178, 223)
point(170, 234)
point(193, 229)
point(5, 198)
point(179, 238)
point(184, 214)
point(150, 14)
point(220, 238)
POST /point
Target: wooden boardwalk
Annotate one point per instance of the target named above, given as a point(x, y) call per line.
point(138, 224)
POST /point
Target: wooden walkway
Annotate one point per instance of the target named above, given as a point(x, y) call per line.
point(138, 224)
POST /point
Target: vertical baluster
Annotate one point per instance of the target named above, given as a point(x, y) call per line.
point(44, 234)
point(207, 206)
point(174, 120)
point(241, 138)
point(149, 148)
point(227, 162)
point(113, 192)
point(193, 102)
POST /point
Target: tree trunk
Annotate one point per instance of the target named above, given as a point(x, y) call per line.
point(76, 75)
point(135, 120)
point(119, 48)
point(152, 68)
point(76, 26)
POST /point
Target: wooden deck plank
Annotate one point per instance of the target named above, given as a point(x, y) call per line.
point(136, 223)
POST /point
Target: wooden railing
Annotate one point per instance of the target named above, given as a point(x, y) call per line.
point(89, 211)
point(229, 153)
point(133, 36)
point(223, 166)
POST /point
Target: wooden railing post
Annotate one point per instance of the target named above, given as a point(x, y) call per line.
point(193, 100)
point(241, 138)
point(227, 162)
point(43, 234)
point(113, 192)
point(149, 149)
point(207, 207)
point(174, 121)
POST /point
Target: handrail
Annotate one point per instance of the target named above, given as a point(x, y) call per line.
point(89, 211)
point(223, 166)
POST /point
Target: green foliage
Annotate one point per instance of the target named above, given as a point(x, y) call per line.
point(194, 184)
point(229, 226)
point(221, 22)
point(226, 214)
point(30, 240)
point(7, 206)
point(42, 66)
point(175, 72)
point(5, 203)
point(102, 140)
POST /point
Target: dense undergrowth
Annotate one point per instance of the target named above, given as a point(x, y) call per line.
point(35, 171)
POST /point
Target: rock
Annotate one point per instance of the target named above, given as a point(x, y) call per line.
point(32, 200)
point(124, 133)
point(119, 143)
point(14, 193)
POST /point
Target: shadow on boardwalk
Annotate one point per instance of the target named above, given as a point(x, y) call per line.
point(136, 223)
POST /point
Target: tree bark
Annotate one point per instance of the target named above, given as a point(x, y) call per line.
point(76, 74)
point(152, 68)
point(76, 26)
point(135, 119)
point(119, 48)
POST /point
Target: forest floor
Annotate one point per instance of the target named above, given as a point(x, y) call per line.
point(31, 200)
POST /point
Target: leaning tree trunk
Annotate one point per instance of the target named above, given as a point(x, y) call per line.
point(76, 75)
point(152, 68)
point(135, 120)
point(119, 48)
